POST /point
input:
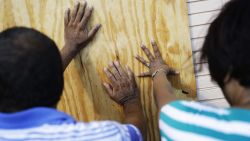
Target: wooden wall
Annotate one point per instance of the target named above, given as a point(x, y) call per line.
point(201, 14)
point(125, 25)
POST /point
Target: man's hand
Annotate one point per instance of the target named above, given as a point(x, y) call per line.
point(122, 87)
point(123, 90)
point(75, 22)
point(156, 63)
point(77, 35)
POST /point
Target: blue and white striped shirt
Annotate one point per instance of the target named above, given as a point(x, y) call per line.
point(45, 124)
point(192, 121)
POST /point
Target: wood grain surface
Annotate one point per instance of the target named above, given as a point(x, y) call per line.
point(125, 25)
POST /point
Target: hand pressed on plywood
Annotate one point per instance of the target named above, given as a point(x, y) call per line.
point(76, 21)
point(77, 35)
point(122, 87)
point(156, 63)
point(123, 90)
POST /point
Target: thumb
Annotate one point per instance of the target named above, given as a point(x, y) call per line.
point(108, 88)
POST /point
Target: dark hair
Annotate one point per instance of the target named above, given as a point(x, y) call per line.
point(31, 73)
point(227, 44)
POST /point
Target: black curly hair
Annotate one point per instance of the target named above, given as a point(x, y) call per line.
point(31, 73)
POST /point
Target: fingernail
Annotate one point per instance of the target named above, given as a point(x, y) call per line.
point(142, 44)
point(105, 69)
point(111, 64)
point(152, 40)
point(117, 63)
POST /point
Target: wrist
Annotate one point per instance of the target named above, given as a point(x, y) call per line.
point(132, 106)
point(70, 46)
point(132, 101)
point(70, 50)
point(159, 71)
point(159, 74)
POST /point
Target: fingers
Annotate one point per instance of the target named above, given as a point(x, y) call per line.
point(120, 70)
point(73, 13)
point(108, 89)
point(114, 71)
point(147, 52)
point(156, 49)
point(66, 17)
point(110, 76)
point(130, 73)
point(80, 13)
point(86, 17)
point(142, 60)
point(145, 74)
point(93, 32)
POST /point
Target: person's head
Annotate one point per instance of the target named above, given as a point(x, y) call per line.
point(227, 47)
point(31, 73)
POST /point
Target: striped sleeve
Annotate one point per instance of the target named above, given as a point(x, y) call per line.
point(125, 132)
point(134, 133)
point(92, 131)
point(194, 121)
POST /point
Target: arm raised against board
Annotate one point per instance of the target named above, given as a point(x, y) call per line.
point(124, 91)
point(158, 70)
point(77, 35)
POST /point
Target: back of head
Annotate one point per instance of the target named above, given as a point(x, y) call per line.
point(31, 72)
point(227, 44)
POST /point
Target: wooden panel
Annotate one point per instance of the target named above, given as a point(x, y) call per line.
point(197, 44)
point(199, 31)
point(201, 69)
point(204, 6)
point(205, 82)
point(210, 93)
point(203, 18)
point(221, 103)
point(202, 13)
point(125, 25)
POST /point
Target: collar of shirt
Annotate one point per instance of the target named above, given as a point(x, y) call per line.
point(33, 117)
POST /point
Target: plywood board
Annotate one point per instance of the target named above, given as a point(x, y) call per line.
point(125, 25)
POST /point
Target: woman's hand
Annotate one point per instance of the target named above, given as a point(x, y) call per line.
point(162, 88)
point(122, 87)
point(156, 63)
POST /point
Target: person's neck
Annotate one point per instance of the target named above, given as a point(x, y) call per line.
point(237, 95)
point(244, 100)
